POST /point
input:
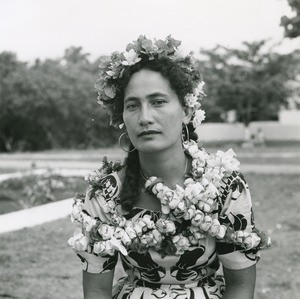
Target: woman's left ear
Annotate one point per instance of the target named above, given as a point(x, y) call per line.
point(188, 113)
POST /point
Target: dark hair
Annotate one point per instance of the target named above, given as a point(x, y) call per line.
point(182, 78)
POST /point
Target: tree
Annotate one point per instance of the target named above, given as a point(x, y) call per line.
point(74, 55)
point(292, 25)
point(250, 81)
point(51, 104)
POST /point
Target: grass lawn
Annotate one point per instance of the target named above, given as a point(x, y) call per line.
point(37, 263)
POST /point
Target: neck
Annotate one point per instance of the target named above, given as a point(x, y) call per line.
point(169, 165)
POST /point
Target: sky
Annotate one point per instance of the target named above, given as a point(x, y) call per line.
point(45, 28)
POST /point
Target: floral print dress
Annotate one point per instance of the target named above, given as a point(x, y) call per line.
point(197, 273)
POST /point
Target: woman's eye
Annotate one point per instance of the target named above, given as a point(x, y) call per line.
point(131, 107)
point(159, 102)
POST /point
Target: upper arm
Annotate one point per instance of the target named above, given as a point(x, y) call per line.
point(97, 285)
point(240, 283)
point(237, 215)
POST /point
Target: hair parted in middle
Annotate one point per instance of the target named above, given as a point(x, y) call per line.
point(160, 56)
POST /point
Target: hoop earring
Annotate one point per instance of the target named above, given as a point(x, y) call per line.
point(185, 137)
point(120, 144)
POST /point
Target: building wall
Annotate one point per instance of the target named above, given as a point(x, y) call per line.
point(273, 131)
point(291, 117)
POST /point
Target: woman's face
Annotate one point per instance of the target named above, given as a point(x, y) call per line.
point(153, 114)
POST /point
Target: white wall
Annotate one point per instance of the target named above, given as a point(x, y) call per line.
point(273, 131)
point(291, 117)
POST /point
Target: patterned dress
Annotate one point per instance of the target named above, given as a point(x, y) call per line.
point(195, 274)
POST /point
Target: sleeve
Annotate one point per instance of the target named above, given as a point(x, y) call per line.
point(90, 213)
point(236, 214)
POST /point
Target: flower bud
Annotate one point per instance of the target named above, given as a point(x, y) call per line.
point(106, 231)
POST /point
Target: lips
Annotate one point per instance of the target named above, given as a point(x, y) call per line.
point(149, 132)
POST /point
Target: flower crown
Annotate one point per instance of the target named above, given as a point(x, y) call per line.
point(112, 68)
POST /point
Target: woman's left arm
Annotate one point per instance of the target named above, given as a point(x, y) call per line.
point(240, 284)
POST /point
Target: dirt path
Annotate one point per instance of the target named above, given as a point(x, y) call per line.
point(90, 165)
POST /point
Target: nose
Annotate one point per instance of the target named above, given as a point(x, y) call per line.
point(145, 117)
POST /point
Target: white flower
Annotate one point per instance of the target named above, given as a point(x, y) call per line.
point(238, 236)
point(180, 209)
point(150, 181)
point(199, 89)
point(193, 240)
point(213, 175)
point(190, 212)
point(147, 220)
point(206, 224)
point(126, 240)
point(147, 239)
point(192, 190)
point(157, 236)
point(204, 181)
point(119, 232)
point(88, 222)
point(198, 165)
point(138, 229)
point(174, 203)
point(215, 227)
point(76, 212)
point(198, 218)
point(131, 57)
point(222, 231)
point(165, 209)
point(228, 160)
point(118, 220)
point(99, 247)
point(188, 181)
point(192, 148)
point(251, 241)
point(165, 226)
point(130, 232)
point(115, 244)
point(78, 242)
point(198, 117)
point(211, 191)
point(181, 243)
point(109, 248)
point(157, 188)
point(204, 207)
point(191, 100)
point(201, 155)
point(142, 224)
point(106, 231)
point(179, 191)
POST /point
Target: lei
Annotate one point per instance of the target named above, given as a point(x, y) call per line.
point(112, 68)
point(186, 213)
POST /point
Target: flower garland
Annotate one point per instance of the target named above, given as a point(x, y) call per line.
point(113, 68)
point(186, 214)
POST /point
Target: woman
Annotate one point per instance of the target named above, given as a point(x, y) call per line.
point(179, 219)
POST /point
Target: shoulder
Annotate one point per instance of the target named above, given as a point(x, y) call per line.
point(106, 180)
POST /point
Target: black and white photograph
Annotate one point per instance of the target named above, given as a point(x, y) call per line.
point(149, 149)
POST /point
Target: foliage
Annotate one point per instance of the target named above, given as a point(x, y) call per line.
point(51, 104)
point(32, 190)
point(292, 25)
point(250, 81)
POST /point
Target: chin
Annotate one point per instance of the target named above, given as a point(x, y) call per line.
point(151, 148)
point(147, 149)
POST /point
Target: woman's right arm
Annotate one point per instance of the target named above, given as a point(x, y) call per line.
point(96, 286)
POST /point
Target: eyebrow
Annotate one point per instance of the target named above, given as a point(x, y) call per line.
point(150, 96)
